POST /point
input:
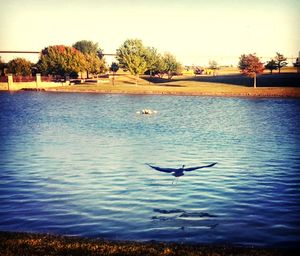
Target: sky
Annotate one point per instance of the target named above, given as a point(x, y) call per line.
point(195, 31)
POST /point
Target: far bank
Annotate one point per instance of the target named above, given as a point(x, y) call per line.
point(235, 85)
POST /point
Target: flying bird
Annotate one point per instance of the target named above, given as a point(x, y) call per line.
point(178, 172)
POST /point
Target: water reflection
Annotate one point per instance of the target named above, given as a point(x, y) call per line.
point(186, 219)
point(185, 214)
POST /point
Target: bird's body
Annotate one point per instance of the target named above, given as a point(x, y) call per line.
point(178, 172)
point(147, 111)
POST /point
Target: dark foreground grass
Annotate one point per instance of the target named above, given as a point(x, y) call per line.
point(12, 243)
point(265, 80)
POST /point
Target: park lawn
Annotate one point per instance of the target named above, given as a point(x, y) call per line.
point(183, 86)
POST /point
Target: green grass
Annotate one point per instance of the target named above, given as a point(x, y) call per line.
point(281, 85)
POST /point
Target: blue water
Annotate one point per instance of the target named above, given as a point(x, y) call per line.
point(74, 164)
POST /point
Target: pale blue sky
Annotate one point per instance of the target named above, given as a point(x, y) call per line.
point(194, 31)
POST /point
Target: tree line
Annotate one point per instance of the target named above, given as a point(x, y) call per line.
point(132, 55)
point(251, 65)
point(87, 56)
point(61, 60)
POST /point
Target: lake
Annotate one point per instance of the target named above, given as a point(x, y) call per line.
point(75, 164)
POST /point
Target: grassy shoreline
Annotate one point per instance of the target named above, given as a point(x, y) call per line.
point(265, 92)
point(286, 85)
point(16, 243)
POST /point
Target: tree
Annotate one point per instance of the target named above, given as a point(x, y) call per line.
point(132, 57)
point(251, 66)
point(152, 59)
point(95, 64)
point(160, 68)
point(2, 66)
point(172, 66)
point(297, 65)
point(87, 47)
point(271, 65)
point(280, 61)
point(19, 67)
point(114, 68)
point(213, 65)
point(61, 60)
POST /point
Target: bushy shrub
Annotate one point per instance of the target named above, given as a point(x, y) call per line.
point(19, 67)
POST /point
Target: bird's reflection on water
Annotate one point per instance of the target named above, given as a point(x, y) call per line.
point(185, 217)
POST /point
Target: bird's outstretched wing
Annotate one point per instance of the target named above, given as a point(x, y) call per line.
point(198, 167)
point(168, 170)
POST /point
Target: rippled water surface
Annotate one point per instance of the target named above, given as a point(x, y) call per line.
point(74, 164)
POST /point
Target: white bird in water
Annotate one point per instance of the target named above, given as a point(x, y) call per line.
point(147, 111)
point(178, 172)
